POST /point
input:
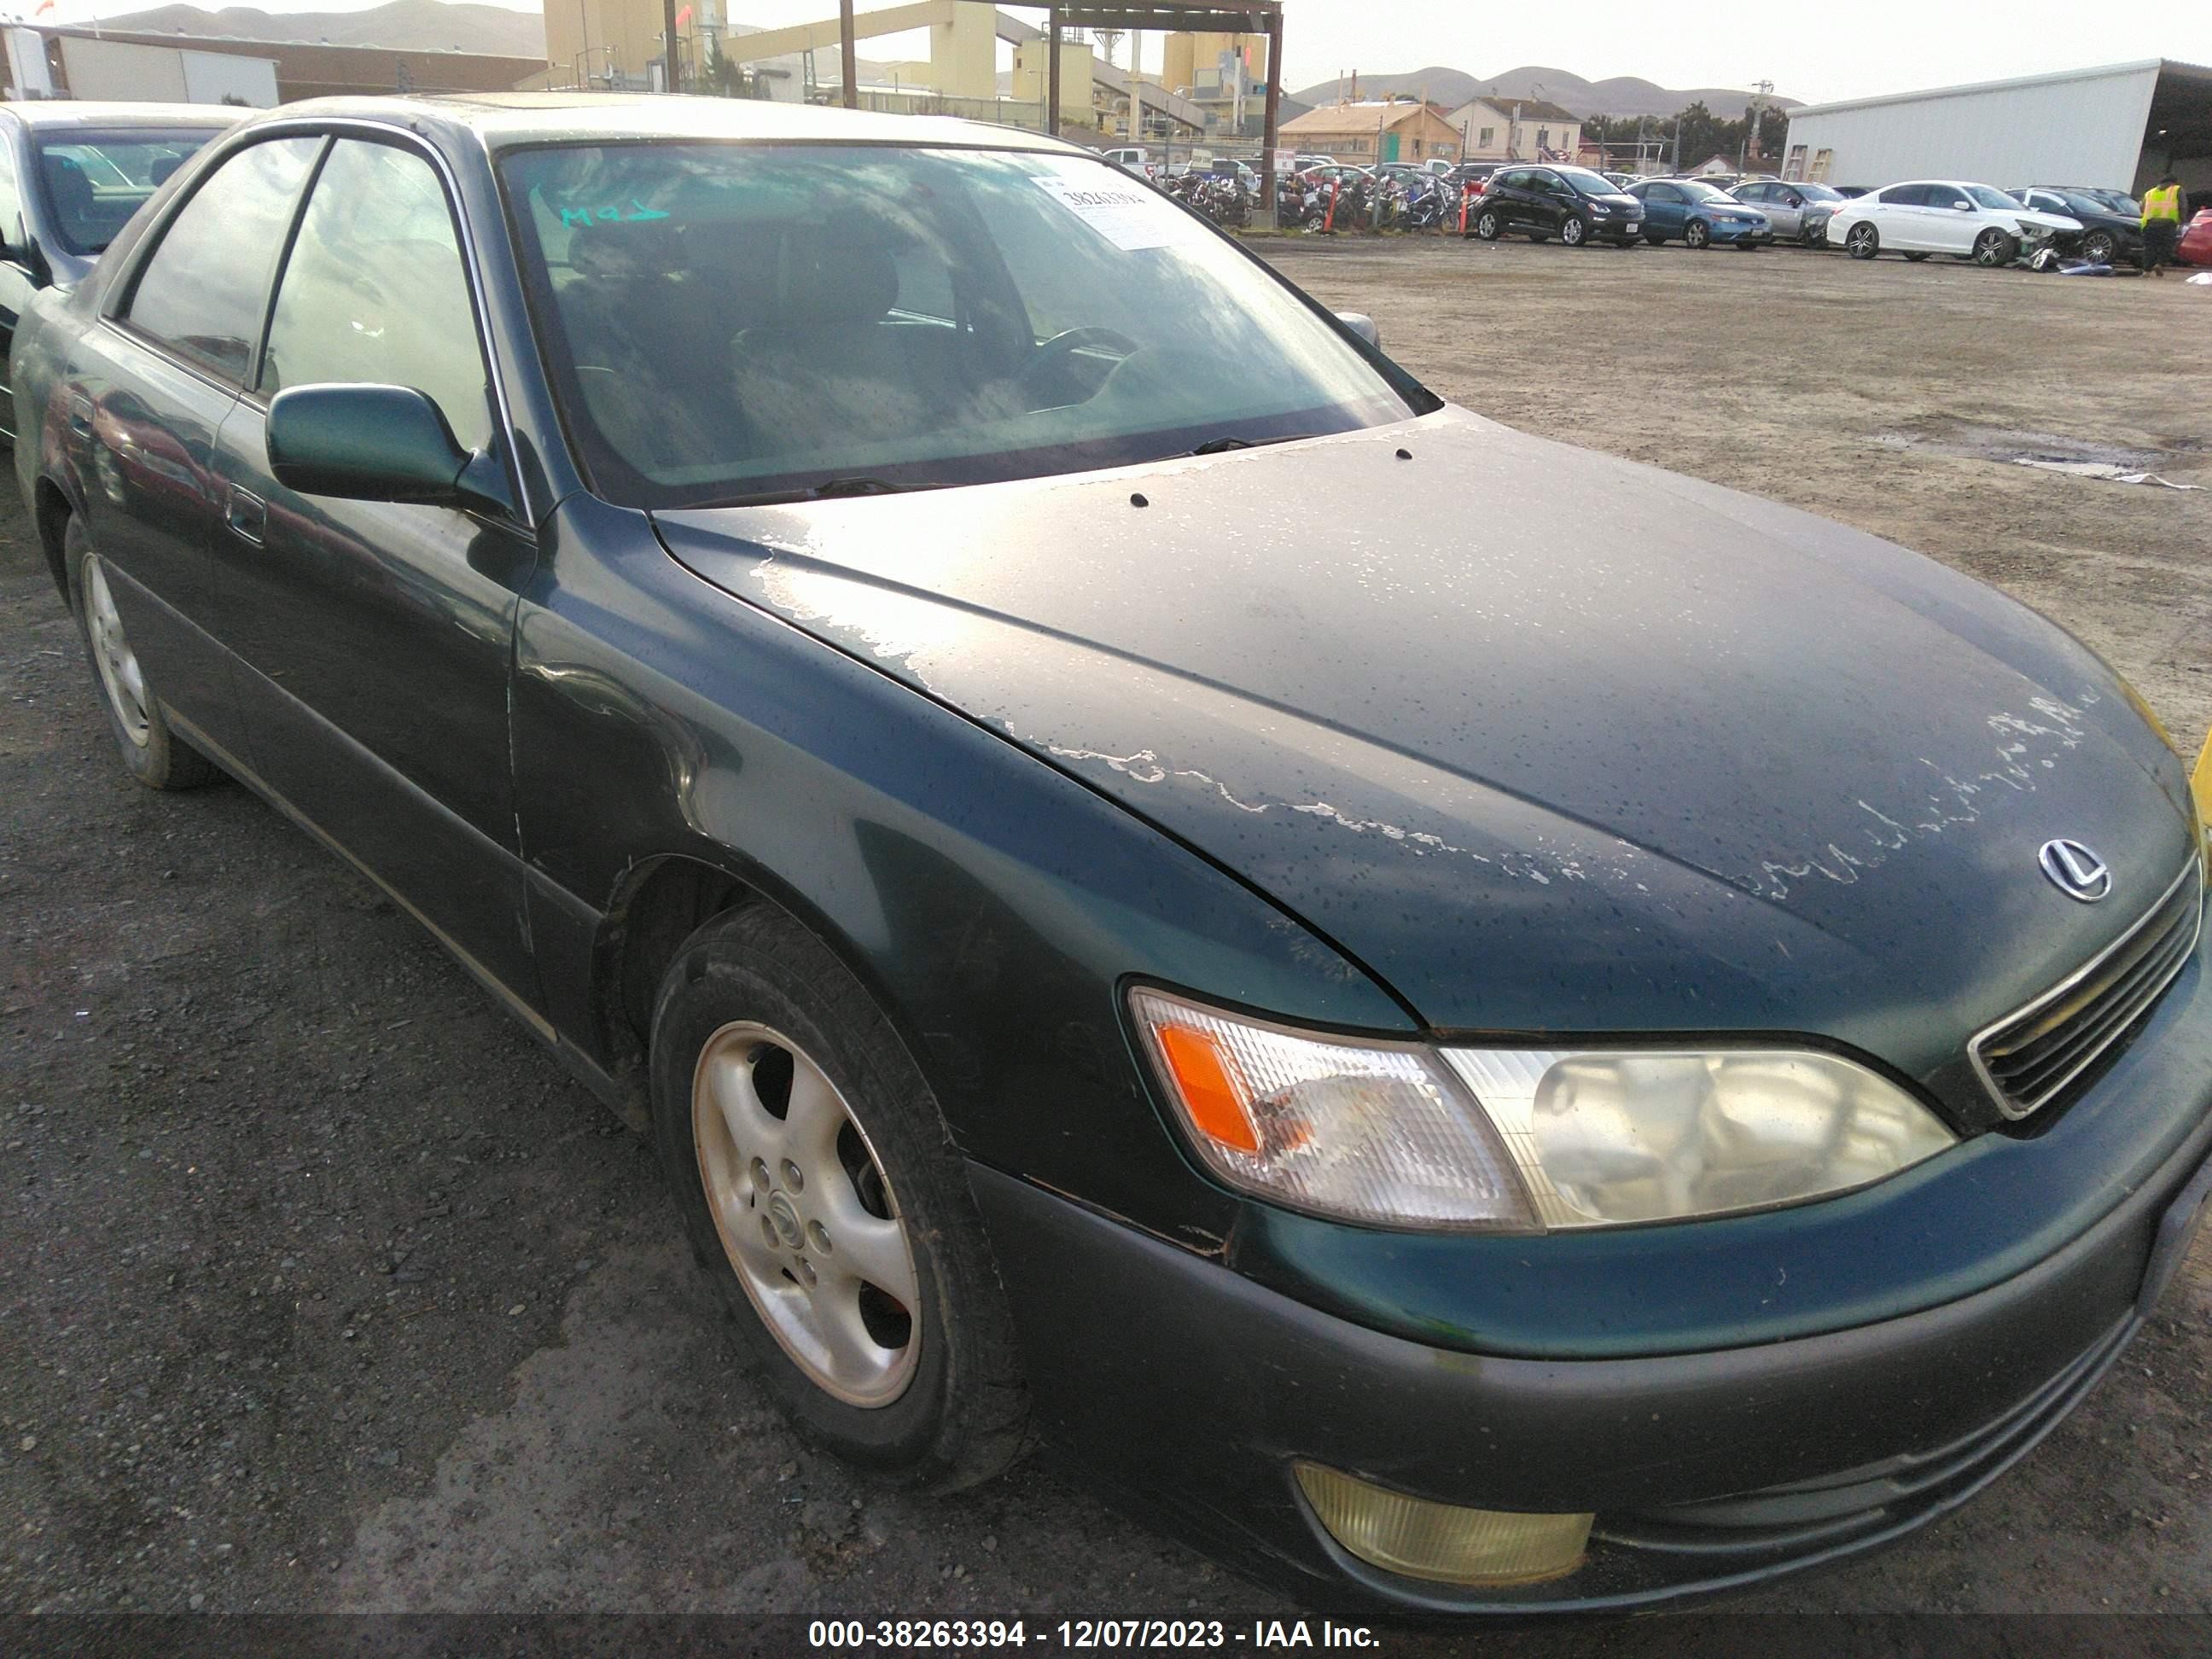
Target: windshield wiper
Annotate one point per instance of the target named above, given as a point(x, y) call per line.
point(1223, 445)
point(828, 490)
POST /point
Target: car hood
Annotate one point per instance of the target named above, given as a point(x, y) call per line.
point(1618, 199)
point(2043, 220)
point(1546, 739)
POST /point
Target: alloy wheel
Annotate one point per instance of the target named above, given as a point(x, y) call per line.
point(805, 1216)
point(2097, 248)
point(1696, 235)
point(1860, 242)
point(1572, 232)
point(120, 677)
point(1992, 248)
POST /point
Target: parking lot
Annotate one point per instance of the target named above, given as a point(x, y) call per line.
point(322, 1289)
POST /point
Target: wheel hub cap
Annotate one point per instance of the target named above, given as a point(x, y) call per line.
point(120, 677)
point(805, 1216)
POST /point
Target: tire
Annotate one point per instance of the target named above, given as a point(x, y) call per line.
point(1995, 248)
point(1749, 247)
point(1917, 258)
point(2099, 248)
point(1487, 225)
point(1809, 237)
point(1862, 240)
point(915, 1371)
point(1574, 230)
point(1697, 235)
point(1652, 238)
point(152, 753)
point(1539, 236)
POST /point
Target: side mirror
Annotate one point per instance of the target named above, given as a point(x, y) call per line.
point(375, 443)
point(1362, 325)
point(1963, 206)
point(1793, 200)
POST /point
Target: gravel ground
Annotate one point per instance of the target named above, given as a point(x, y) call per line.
point(322, 1290)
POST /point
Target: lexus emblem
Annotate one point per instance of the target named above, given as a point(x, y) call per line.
point(2076, 871)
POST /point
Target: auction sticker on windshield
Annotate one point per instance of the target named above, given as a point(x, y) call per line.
point(1127, 215)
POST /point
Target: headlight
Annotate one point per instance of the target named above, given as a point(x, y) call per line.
point(1522, 1141)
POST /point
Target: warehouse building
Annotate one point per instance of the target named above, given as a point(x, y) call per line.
point(2115, 128)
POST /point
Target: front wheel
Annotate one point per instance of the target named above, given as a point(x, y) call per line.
point(1862, 241)
point(152, 753)
point(2097, 247)
point(1697, 235)
point(1994, 248)
point(1487, 225)
point(1574, 232)
point(817, 1182)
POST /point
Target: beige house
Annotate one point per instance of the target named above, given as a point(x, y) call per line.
point(1405, 130)
point(1518, 130)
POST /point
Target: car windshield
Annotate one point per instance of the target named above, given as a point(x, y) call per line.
point(94, 181)
point(1591, 183)
point(1984, 197)
point(1698, 190)
point(730, 321)
point(2103, 201)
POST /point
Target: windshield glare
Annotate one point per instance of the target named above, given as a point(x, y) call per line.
point(726, 321)
point(94, 182)
point(1588, 183)
point(1987, 197)
point(1698, 190)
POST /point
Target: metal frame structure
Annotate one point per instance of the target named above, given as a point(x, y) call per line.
point(1225, 16)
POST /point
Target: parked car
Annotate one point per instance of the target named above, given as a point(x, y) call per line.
point(1699, 215)
point(2195, 245)
point(1923, 217)
point(2111, 221)
point(71, 174)
point(1546, 1070)
point(1133, 159)
point(1798, 212)
point(1572, 204)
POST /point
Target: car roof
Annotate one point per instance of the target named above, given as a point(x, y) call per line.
point(501, 119)
point(45, 114)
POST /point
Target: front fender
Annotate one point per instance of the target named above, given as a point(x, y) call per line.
point(992, 904)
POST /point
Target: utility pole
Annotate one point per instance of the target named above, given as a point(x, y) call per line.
point(668, 57)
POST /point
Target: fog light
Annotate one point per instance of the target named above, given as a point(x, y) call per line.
point(1442, 1542)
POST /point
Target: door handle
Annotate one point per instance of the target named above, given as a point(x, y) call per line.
point(80, 415)
point(247, 515)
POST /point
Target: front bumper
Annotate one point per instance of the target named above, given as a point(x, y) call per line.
point(1734, 235)
point(1191, 1389)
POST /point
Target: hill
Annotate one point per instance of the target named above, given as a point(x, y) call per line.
point(408, 25)
point(1623, 94)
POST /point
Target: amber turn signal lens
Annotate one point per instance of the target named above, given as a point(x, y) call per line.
point(1200, 1072)
point(1442, 1542)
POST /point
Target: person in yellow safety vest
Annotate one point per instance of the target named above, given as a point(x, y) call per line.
point(2162, 225)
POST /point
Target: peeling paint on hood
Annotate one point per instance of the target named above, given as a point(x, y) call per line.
point(1547, 739)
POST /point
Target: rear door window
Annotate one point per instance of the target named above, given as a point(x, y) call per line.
point(205, 290)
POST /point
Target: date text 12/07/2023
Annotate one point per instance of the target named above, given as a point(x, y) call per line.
point(921, 1634)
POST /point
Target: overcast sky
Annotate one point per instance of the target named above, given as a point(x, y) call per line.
point(1872, 46)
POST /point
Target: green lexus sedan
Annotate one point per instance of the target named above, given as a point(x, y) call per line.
point(1146, 885)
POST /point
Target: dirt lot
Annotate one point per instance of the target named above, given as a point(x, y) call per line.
point(321, 1289)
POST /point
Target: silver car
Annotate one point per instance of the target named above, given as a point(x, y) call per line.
point(1799, 212)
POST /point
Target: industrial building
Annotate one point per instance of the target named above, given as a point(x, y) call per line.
point(73, 61)
point(2119, 127)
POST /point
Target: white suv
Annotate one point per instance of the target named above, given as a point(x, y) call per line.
point(1945, 215)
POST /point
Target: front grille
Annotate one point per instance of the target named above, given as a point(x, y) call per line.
point(2029, 1057)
